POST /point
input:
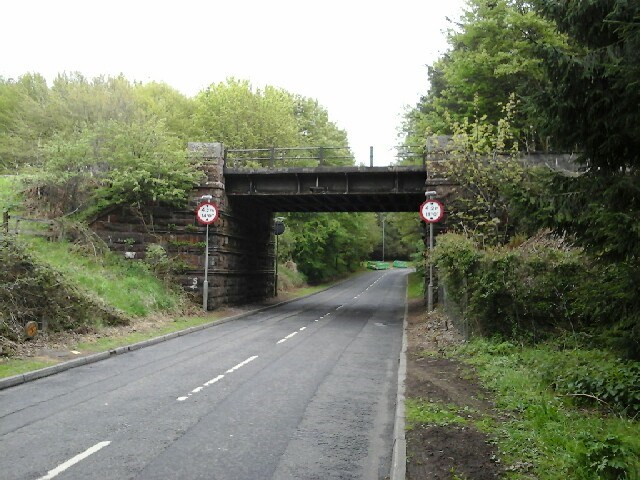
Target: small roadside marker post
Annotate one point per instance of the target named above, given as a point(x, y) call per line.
point(431, 211)
point(206, 213)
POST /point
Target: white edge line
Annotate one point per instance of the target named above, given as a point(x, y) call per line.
point(70, 463)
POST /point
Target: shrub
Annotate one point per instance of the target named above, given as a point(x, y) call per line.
point(510, 292)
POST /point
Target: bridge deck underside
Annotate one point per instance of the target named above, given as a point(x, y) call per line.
point(382, 189)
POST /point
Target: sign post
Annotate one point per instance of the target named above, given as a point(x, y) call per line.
point(206, 213)
point(278, 229)
point(431, 211)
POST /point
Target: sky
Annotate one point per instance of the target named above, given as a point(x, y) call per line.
point(364, 61)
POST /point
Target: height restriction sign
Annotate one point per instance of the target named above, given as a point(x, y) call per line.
point(207, 213)
point(431, 211)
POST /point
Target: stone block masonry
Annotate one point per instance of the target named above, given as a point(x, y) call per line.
point(241, 242)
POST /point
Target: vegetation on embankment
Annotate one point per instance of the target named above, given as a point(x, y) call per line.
point(32, 291)
point(542, 425)
point(130, 287)
point(564, 408)
point(64, 290)
point(567, 411)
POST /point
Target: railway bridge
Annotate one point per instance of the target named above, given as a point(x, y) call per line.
point(250, 186)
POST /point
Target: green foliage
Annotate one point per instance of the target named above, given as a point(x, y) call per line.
point(492, 55)
point(601, 211)
point(547, 433)
point(416, 285)
point(456, 257)
point(125, 285)
point(482, 161)
point(289, 277)
point(518, 292)
point(116, 163)
point(605, 457)
point(158, 261)
point(327, 246)
point(592, 96)
point(10, 188)
point(33, 291)
point(235, 114)
point(602, 215)
point(402, 231)
point(594, 378)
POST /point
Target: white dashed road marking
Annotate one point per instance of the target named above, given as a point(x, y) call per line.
point(216, 379)
point(70, 463)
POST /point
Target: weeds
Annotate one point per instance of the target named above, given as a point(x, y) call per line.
point(546, 430)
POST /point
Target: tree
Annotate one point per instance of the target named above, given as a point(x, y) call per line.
point(161, 101)
point(593, 95)
point(238, 116)
point(116, 163)
point(325, 246)
point(482, 161)
point(492, 55)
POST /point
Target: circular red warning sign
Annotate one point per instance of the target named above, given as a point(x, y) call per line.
point(431, 211)
point(207, 213)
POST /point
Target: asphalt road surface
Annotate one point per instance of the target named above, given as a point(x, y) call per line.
point(302, 391)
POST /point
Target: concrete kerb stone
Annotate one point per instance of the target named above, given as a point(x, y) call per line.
point(15, 380)
point(399, 456)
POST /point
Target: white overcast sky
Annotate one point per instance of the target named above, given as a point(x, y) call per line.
point(364, 61)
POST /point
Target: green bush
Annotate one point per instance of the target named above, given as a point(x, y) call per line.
point(512, 292)
point(606, 457)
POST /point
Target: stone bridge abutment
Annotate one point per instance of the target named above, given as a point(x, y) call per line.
point(241, 246)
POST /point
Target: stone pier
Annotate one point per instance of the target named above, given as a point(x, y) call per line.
point(241, 241)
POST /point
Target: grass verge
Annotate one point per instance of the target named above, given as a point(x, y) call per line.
point(545, 432)
point(109, 343)
point(416, 285)
point(16, 366)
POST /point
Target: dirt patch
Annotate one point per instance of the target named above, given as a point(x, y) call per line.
point(452, 451)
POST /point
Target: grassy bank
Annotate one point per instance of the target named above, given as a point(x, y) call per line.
point(9, 187)
point(542, 429)
point(416, 285)
point(127, 286)
point(550, 428)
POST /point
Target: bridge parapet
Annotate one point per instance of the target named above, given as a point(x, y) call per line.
point(274, 157)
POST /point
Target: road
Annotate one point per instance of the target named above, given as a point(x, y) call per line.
point(304, 391)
